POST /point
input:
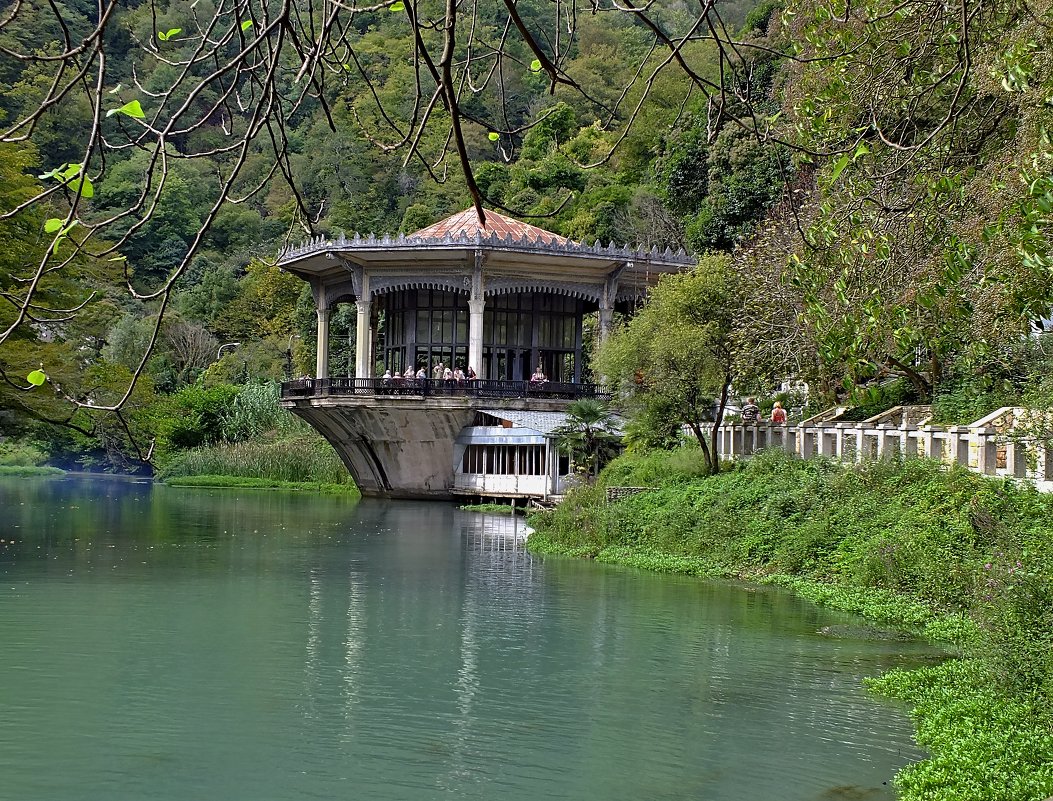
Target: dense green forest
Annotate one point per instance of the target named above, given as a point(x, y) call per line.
point(873, 179)
point(668, 182)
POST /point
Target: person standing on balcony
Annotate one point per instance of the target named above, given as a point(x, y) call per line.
point(458, 375)
point(470, 375)
point(778, 414)
point(422, 374)
point(438, 371)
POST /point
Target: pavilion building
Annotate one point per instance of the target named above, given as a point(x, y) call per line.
point(500, 296)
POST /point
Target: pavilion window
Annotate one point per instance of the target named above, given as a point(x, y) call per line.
point(433, 327)
point(504, 460)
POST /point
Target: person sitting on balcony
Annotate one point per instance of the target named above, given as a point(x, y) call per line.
point(458, 375)
point(539, 376)
point(470, 375)
point(386, 378)
point(750, 412)
point(778, 414)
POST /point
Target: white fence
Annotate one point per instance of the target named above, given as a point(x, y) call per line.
point(996, 445)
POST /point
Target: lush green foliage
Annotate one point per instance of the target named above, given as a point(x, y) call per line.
point(491, 508)
point(588, 434)
point(21, 454)
point(674, 360)
point(27, 471)
point(966, 559)
point(983, 745)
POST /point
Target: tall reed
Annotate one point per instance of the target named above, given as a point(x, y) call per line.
point(303, 457)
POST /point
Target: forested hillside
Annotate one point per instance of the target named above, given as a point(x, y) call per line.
point(565, 155)
point(877, 173)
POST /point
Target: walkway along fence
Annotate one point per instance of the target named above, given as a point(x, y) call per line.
point(1004, 443)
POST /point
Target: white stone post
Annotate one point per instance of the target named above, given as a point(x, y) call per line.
point(363, 340)
point(986, 450)
point(321, 369)
point(476, 311)
point(1016, 458)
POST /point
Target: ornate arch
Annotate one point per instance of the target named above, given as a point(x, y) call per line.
point(450, 283)
point(506, 286)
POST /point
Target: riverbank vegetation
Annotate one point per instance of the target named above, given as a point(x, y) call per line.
point(492, 508)
point(962, 558)
point(242, 482)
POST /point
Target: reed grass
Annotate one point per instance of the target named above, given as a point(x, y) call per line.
point(305, 457)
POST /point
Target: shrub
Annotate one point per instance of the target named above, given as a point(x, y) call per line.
point(21, 454)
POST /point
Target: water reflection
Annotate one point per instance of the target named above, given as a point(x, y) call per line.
point(197, 644)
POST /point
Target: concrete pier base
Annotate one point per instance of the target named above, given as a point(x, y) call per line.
point(400, 446)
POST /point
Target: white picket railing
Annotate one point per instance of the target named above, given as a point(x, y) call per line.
point(995, 445)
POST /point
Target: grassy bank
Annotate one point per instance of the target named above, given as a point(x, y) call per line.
point(28, 470)
point(491, 508)
point(241, 482)
point(302, 459)
point(962, 558)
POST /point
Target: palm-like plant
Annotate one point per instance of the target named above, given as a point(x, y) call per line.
point(589, 432)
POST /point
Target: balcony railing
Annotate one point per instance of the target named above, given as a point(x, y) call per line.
point(431, 388)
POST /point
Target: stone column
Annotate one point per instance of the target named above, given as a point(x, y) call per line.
point(606, 322)
point(363, 339)
point(321, 369)
point(476, 311)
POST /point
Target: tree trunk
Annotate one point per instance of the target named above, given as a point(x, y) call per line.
point(921, 384)
point(701, 437)
point(718, 418)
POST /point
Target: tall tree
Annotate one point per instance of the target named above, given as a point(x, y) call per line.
point(677, 356)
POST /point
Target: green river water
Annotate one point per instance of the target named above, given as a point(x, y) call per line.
point(183, 644)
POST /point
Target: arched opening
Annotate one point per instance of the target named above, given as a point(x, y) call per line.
point(342, 336)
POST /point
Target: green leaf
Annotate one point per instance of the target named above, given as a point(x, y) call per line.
point(37, 378)
point(246, 24)
point(115, 89)
point(398, 5)
point(861, 150)
point(52, 225)
point(132, 109)
point(535, 65)
point(166, 35)
point(839, 165)
point(118, 258)
point(83, 187)
point(493, 136)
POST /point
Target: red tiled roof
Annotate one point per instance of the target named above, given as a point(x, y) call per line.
point(466, 224)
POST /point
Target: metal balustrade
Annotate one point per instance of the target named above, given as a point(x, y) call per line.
point(432, 388)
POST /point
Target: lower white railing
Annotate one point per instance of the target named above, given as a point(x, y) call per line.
point(501, 485)
point(989, 446)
